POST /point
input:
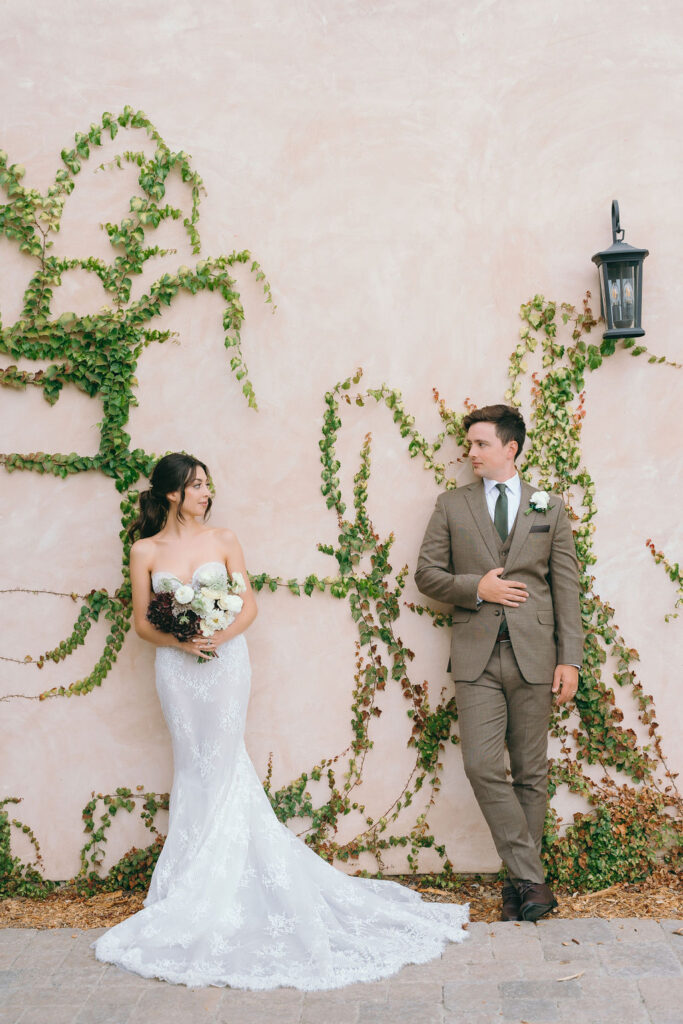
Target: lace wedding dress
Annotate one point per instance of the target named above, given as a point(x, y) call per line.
point(236, 899)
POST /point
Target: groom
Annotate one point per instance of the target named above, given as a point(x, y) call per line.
point(503, 556)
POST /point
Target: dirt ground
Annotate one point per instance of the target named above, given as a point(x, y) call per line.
point(652, 898)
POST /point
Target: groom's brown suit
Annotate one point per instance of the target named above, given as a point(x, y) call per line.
point(503, 689)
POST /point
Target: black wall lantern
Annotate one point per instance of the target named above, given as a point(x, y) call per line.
point(621, 283)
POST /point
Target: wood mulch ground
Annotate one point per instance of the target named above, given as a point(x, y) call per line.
point(657, 898)
point(644, 899)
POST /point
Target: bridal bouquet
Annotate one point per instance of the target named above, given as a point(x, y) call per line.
point(210, 603)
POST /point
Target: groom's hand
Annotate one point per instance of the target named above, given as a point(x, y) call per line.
point(565, 683)
point(508, 592)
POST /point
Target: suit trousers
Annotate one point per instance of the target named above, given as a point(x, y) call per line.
point(497, 707)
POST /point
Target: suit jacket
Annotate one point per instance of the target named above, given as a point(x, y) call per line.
point(461, 545)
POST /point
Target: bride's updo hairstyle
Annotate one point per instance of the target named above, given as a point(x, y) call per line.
point(172, 473)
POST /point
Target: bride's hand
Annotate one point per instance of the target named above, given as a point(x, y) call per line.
point(203, 647)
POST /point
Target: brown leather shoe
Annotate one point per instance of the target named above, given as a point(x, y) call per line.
point(511, 903)
point(536, 900)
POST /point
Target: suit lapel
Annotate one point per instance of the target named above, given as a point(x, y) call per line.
point(523, 524)
point(476, 499)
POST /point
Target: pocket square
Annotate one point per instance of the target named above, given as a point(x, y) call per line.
point(540, 529)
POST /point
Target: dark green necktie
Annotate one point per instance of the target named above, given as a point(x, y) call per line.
point(500, 515)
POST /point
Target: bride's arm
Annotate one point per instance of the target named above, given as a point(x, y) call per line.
point(234, 559)
point(141, 588)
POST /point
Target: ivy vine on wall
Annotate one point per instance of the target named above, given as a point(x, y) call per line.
point(634, 821)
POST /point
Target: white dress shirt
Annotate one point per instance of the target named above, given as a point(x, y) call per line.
point(514, 495)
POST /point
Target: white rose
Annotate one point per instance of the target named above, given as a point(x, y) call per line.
point(238, 582)
point(184, 594)
point(540, 499)
point(231, 603)
point(210, 593)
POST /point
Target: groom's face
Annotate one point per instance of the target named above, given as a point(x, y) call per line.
point(487, 453)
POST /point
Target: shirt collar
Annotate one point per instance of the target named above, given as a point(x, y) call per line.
point(514, 485)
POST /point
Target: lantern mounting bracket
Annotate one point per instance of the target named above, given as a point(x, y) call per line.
point(616, 226)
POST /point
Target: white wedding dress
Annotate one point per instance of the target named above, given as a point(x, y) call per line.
point(236, 899)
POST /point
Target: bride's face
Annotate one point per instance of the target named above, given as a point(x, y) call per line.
point(197, 495)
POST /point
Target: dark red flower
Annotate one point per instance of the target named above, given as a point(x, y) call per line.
point(160, 613)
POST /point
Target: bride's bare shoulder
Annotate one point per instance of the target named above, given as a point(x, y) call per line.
point(226, 538)
point(142, 550)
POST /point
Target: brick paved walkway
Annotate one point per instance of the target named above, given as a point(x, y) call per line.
point(587, 971)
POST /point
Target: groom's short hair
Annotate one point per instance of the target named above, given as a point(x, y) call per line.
point(508, 421)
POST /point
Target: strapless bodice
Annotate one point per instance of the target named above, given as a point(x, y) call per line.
point(162, 574)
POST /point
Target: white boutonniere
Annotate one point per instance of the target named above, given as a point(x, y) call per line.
point(538, 502)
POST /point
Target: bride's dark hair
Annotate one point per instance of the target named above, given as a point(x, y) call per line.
point(172, 473)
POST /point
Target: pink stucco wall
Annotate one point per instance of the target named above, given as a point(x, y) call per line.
point(407, 174)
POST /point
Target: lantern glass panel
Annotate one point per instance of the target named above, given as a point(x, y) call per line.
point(620, 283)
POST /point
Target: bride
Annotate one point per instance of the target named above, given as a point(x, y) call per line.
point(236, 899)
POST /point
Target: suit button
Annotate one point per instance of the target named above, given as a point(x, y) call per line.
point(497, 611)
